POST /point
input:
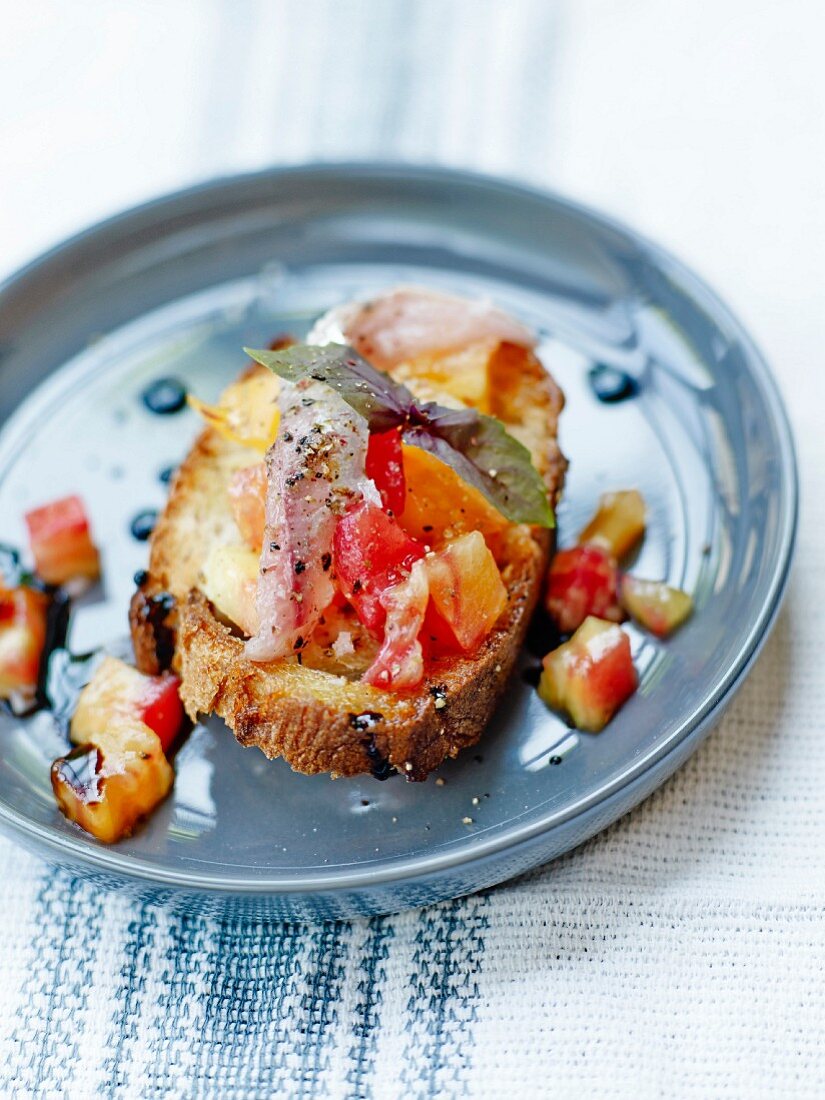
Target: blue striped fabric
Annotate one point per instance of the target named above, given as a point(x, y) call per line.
point(192, 1005)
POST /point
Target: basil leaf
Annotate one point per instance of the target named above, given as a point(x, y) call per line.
point(479, 448)
point(494, 463)
point(383, 403)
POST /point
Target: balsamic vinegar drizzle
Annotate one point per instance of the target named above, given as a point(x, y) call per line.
point(542, 634)
point(380, 766)
point(81, 770)
point(532, 675)
point(143, 524)
point(611, 385)
point(164, 396)
point(11, 571)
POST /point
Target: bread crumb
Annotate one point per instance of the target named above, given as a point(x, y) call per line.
point(440, 781)
point(476, 800)
point(408, 767)
point(342, 646)
point(466, 821)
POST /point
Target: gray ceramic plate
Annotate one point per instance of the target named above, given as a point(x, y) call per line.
point(176, 288)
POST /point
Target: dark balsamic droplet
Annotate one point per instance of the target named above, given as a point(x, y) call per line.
point(143, 524)
point(365, 721)
point(156, 611)
point(80, 770)
point(12, 572)
point(164, 396)
point(542, 634)
point(140, 578)
point(439, 694)
point(380, 766)
point(611, 385)
point(166, 474)
point(555, 760)
point(57, 630)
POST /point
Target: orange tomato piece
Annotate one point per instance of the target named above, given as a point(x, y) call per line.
point(466, 589)
point(440, 505)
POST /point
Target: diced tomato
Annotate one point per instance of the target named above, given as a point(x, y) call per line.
point(437, 639)
point(118, 694)
point(618, 524)
point(590, 676)
point(247, 495)
point(161, 709)
point(400, 661)
point(124, 723)
point(654, 605)
point(385, 466)
point(466, 589)
point(582, 581)
point(61, 542)
point(371, 554)
point(22, 637)
point(440, 504)
point(107, 788)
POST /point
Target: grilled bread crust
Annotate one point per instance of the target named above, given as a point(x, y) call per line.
point(317, 721)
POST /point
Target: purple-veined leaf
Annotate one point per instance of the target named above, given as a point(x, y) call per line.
point(479, 448)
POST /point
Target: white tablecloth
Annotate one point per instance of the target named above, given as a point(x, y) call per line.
point(680, 953)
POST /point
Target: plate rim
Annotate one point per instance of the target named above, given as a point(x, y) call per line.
point(401, 871)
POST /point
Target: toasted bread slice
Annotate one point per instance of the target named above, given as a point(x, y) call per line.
point(317, 715)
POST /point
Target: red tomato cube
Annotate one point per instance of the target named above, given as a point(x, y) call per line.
point(160, 708)
point(124, 724)
point(385, 465)
point(590, 676)
point(371, 553)
point(400, 661)
point(582, 581)
point(22, 638)
point(61, 542)
point(119, 695)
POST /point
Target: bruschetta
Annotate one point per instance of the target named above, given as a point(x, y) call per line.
point(353, 548)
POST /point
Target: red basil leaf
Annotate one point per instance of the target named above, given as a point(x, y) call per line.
point(477, 447)
point(494, 463)
point(383, 403)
